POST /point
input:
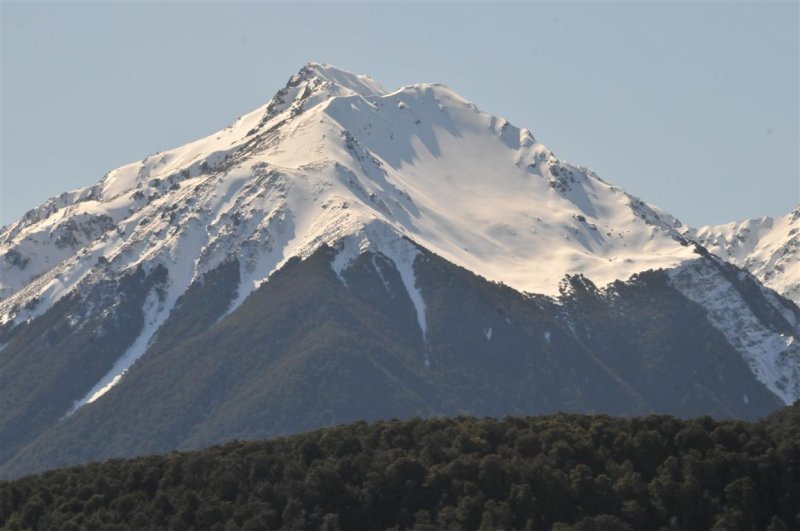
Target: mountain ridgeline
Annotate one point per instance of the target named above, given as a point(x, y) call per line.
point(347, 253)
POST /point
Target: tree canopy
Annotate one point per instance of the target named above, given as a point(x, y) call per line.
point(557, 472)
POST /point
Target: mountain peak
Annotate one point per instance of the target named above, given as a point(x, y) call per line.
point(315, 83)
point(358, 83)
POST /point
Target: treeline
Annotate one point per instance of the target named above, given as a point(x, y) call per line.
point(557, 472)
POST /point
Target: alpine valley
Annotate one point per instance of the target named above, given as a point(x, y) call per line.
point(349, 253)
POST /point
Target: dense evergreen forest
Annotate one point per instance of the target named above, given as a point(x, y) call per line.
point(557, 472)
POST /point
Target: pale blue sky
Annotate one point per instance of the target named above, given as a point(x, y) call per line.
point(692, 107)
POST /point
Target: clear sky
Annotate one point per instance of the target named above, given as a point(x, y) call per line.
point(693, 107)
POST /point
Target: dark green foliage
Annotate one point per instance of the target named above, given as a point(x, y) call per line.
point(562, 472)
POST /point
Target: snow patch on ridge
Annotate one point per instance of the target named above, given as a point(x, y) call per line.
point(381, 238)
point(403, 259)
point(773, 357)
point(154, 316)
point(156, 310)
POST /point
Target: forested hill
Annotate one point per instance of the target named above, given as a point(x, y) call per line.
point(557, 472)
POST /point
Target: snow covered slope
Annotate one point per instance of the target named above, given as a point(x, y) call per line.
point(330, 155)
point(334, 159)
point(767, 247)
point(772, 352)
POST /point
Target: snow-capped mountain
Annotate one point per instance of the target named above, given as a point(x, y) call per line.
point(769, 248)
point(400, 193)
point(334, 155)
point(335, 159)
